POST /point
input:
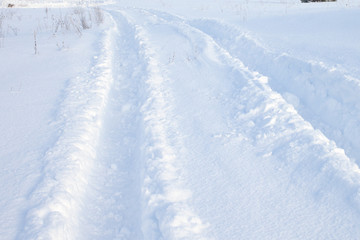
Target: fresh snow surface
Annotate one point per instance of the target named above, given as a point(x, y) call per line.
point(162, 120)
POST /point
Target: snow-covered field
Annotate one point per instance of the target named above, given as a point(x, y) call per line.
point(169, 119)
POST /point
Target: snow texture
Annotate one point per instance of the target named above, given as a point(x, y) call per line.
point(179, 120)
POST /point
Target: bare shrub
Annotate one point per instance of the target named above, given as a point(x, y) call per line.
point(84, 23)
point(99, 15)
point(2, 36)
point(2, 16)
point(80, 15)
point(35, 44)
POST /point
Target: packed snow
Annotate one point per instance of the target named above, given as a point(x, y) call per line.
point(177, 120)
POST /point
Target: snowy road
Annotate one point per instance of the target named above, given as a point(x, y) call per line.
point(191, 129)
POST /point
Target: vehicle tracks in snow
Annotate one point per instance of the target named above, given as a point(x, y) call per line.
point(171, 136)
point(166, 213)
point(141, 196)
point(326, 97)
point(113, 174)
point(57, 200)
point(114, 197)
point(248, 153)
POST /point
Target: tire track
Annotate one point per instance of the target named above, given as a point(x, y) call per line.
point(113, 209)
point(147, 154)
point(166, 213)
point(56, 202)
point(327, 98)
point(276, 148)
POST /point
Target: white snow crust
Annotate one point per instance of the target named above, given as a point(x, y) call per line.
point(179, 120)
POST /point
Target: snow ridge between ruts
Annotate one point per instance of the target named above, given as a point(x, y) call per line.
point(326, 97)
point(165, 211)
point(335, 164)
point(57, 199)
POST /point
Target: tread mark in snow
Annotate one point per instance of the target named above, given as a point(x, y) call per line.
point(276, 130)
point(57, 199)
point(166, 214)
point(257, 131)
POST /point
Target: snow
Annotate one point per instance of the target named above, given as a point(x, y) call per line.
point(179, 120)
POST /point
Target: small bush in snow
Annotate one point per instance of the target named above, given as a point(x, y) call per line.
point(55, 22)
point(99, 15)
